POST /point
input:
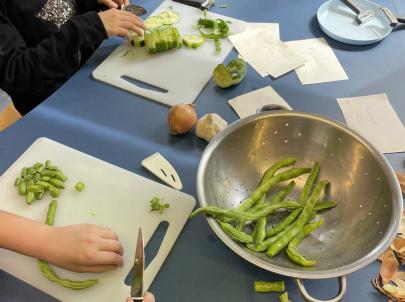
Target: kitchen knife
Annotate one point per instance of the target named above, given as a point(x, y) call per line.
point(137, 269)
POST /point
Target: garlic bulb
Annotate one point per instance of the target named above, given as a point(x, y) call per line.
point(209, 125)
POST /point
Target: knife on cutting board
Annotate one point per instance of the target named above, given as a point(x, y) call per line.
point(137, 269)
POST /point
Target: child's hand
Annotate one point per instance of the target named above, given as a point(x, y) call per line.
point(147, 297)
point(83, 248)
point(113, 3)
point(120, 23)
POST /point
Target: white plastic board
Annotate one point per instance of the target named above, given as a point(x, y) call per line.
point(120, 200)
point(182, 72)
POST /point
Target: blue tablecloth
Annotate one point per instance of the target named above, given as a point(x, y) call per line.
point(123, 129)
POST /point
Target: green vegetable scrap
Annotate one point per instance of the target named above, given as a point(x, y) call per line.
point(156, 205)
point(284, 297)
point(231, 74)
point(48, 272)
point(192, 41)
point(38, 179)
point(248, 223)
point(224, 6)
point(213, 29)
point(79, 186)
point(265, 287)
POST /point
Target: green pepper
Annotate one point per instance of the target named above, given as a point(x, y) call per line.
point(231, 74)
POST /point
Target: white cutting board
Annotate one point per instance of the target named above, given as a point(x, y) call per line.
point(182, 72)
point(119, 198)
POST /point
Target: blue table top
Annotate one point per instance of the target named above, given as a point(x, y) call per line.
point(123, 129)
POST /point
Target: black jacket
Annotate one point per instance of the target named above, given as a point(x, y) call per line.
point(37, 56)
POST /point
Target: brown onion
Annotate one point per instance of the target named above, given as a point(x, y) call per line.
point(181, 118)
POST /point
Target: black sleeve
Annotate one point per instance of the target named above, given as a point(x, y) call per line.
point(28, 72)
point(83, 6)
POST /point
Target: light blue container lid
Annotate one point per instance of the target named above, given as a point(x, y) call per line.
point(338, 21)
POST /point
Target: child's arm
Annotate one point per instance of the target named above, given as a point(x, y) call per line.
point(81, 248)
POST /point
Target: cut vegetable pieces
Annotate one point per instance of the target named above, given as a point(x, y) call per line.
point(137, 41)
point(193, 41)
point(162, 39)
point(164, 18)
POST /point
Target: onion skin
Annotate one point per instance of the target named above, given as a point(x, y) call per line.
point(181, 118)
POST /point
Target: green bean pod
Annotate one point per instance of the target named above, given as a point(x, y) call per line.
point(30, 197)
point(57, 183)
point(35, 188)
point(50, 216)
point(325, 205)
point(285, 162)
point(43, 184)
point(54, 191)
point(308, 184)
point(265, 287)
point(17, 181)
point(299, 223)
point(284, 223)
point(241, 224)
point(38, 165)
point(264, 245)
point(284, 297)
point(22, 188)
point(235, 233)
point(292, 246)
point(268, 184)
point(235, 214)
point(24, 172)
point(259, 232)
point(59, 175)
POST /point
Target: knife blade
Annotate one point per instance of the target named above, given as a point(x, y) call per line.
point(137, 269)
point(135, 9)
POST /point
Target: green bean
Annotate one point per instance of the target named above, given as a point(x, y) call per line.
point(308, 184)
point(259, 232)
point(40, 169)
point(30, 182)
point(265, 287)
point(276, 198)
point(235, 214)
point(325, 205)
point(284, 297)
point(24, 172)
point(284, 223)
point(54, 191)
point(45, 178)
point(234, 233)
point(47, 163)
point(28, 177)
point(37, 176)
point(39, 195)
point(48, 173)
point(80, 186)
point(299, 223)
point(292, 246)
point(48, 272)
point(34, 188)
point(17, 181)
point(241, 224)
point(57, 183)
point(264, 245)
point(52, 168)
point(44, 184)
point(31, 171)
point(38, 165)
point(266, 186)
point(30, 197)
point(285, 162)
point(22, 188)
point(59, 175)
point(50, 216)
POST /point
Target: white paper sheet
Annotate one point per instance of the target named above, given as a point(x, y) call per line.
point(374, 118)
point(274, 28)
point(247, 104)
point(267, 54)
point(322, 64)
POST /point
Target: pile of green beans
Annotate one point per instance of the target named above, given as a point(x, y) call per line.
point(38, 179)
point(48, 272)
point(290, 231)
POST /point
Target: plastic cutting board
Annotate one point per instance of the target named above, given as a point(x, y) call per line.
point(183, 73)
point(120, 200)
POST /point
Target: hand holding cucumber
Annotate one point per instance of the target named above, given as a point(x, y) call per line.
point(121, 23)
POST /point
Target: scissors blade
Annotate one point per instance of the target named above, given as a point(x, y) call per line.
point(138, 268)
point(135, 9)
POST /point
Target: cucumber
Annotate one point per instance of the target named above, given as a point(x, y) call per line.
point(153, 22)
point(222, 77)
point(162, 39)
point(137, 41)
point(150, 42)
point(164, 18)
point(193, 41)
point(231, 74)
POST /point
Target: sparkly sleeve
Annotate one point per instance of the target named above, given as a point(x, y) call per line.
point(29, 74)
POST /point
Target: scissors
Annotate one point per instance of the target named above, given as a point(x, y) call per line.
point(135, 9)
point(137, 269)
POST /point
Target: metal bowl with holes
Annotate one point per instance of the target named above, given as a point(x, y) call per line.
point(362, 183)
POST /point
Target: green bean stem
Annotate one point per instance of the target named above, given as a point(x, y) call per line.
point(276, 247)
point(265, 287)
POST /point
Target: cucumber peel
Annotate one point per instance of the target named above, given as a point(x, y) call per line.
point(231, 74)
